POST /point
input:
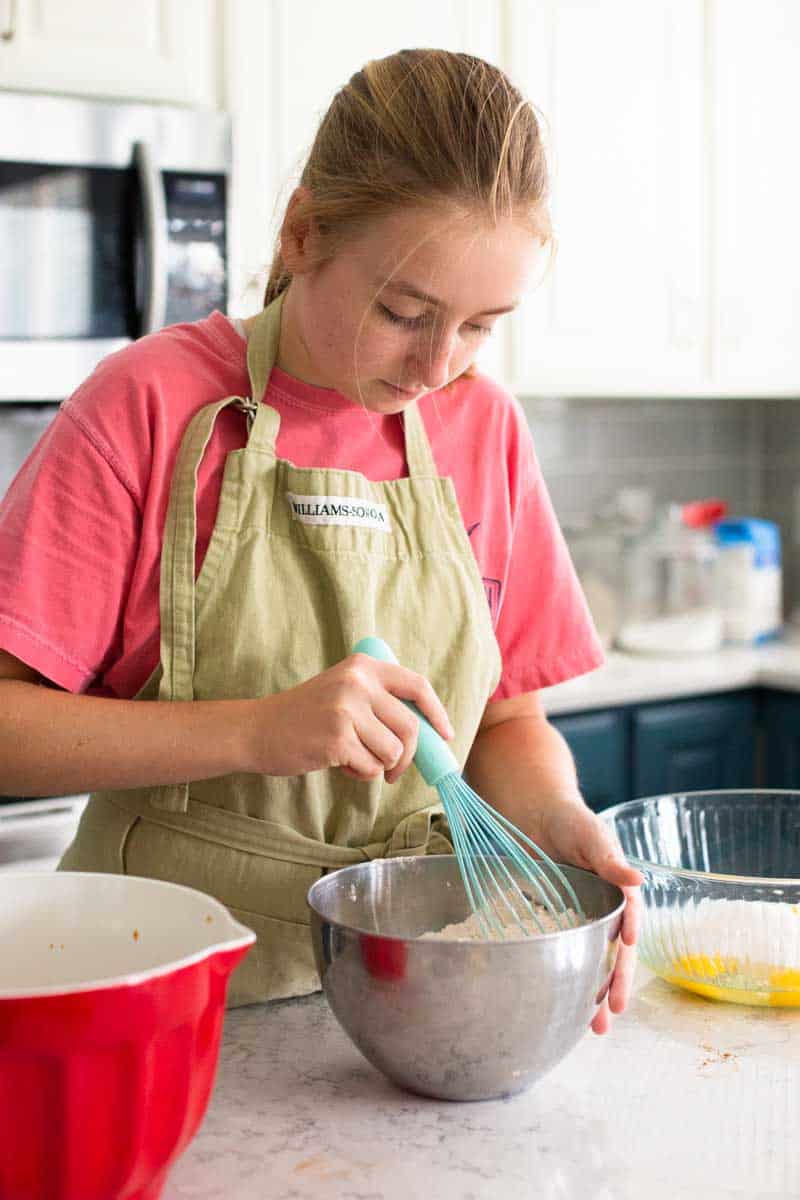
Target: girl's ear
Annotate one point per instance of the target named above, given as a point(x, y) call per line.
point(298, 234)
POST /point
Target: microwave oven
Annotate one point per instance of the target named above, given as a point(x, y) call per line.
point(113, 223)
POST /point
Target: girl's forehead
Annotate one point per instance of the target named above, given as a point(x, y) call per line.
point(435, 253)
point(427, 232)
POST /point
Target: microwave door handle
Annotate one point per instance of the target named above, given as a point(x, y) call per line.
point(154, 221)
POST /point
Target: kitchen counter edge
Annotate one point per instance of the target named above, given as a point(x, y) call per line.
point(637, 679)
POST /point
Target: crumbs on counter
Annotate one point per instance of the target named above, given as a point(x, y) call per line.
point(715, 1057)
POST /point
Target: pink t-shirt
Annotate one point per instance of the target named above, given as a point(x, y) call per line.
point(81, 524)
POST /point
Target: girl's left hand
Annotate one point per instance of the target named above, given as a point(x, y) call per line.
point(571, 832)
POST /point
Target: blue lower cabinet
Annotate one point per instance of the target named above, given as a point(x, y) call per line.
point(599, 745)
point(689, 745)
point(781, 721)
point(694, 745)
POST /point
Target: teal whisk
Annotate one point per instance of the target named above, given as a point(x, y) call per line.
point(495, 868)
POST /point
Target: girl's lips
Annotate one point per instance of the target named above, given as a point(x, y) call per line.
point(402, 391)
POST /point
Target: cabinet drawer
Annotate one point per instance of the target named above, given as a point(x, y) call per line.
point(781, 716)
point(694, 745)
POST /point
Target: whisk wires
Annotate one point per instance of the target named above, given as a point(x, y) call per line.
point(496, 868)
point(490, 850)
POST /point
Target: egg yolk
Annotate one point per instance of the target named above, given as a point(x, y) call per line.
point(780, 987)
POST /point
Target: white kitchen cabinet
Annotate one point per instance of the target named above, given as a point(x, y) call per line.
point(285, 62)
point(675, 181)
point(168, 50)
point(623, 305)
point(675, 197)
point(755, 50)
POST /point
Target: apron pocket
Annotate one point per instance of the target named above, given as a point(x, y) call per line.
point(266, 894)
point(251, 882)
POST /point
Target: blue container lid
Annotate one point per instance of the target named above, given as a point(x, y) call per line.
point(764, 536)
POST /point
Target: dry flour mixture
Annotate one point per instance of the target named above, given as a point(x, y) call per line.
point(472, 929)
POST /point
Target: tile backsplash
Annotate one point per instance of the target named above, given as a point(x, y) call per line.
point(744, 451)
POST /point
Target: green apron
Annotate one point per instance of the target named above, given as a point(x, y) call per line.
point(302, 562)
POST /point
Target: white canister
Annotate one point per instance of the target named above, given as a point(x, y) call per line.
point(749, 579)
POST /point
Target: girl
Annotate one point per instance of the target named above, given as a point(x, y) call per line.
point(224, 508)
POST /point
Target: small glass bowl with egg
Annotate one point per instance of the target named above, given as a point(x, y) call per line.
point(721, 890)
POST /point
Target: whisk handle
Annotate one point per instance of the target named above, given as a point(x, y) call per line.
point(434, 759)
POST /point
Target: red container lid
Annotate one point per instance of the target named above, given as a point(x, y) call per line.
point(699, 513)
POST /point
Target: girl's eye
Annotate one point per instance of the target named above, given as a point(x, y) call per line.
point(396, 319)
point(418, 322)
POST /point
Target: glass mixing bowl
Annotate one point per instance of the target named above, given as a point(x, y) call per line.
point(721, 890)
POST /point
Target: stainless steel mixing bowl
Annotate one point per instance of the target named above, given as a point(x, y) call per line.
point(455, 1020)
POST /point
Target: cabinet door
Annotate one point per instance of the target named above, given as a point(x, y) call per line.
point(756, 61)
point(621, 87)
point(149, 50)
point(598, 742)
point(781, 718)
point(286, 60)
point(694, 745)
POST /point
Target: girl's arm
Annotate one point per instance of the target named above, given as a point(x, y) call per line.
point(56, 743)
point(521, 764)
point(351, 716)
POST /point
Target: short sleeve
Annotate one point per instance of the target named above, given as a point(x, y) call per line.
point(69, 532)
point(544, 628)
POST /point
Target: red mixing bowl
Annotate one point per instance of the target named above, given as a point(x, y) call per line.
point(112, 998)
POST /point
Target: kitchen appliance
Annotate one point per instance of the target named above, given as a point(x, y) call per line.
point(452, 1019)
point(502, 879)
point(112, 994)
point(113, 222)
point(721, 890)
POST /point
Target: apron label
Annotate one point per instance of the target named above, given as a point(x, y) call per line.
point(339, 510)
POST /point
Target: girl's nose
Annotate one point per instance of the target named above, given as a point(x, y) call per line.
point(432, 366)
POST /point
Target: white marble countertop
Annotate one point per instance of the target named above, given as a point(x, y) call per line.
point(685, 1100)
point(633, 679)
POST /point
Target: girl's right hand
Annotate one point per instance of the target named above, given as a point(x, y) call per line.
point(351, 716)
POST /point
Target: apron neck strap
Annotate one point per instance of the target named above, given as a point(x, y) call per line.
point(177, 598)
point(262, 350)
point(262, 347)
point(419, 455)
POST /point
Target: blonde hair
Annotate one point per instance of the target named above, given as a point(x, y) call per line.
point(415, 128)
